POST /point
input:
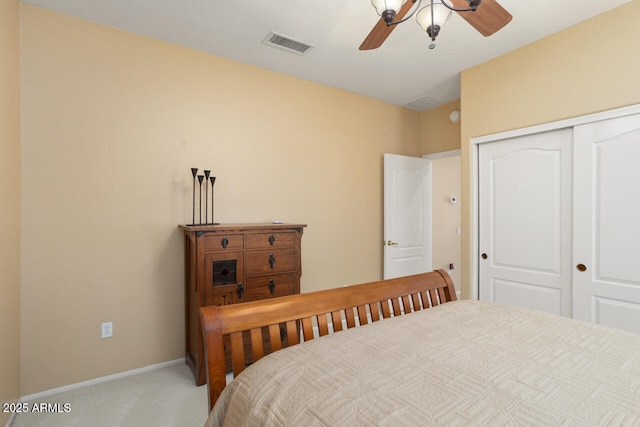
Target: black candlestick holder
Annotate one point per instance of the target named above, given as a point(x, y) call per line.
point(207, 178)
point(200, 178)
point(206, 196)
point(194, 172)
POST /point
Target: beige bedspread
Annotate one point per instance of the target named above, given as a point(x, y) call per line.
point(463, 363)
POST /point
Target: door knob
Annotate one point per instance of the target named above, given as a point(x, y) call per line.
point(581, 267)
point(390, 243)
point(484, 256)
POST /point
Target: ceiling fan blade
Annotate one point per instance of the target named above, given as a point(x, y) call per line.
point(487, 19)
point(381, 31)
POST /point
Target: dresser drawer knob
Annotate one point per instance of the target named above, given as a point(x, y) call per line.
point(224, 242)
point(272, 260)
point(272, 239)
point(272, 286)
point(240, 290)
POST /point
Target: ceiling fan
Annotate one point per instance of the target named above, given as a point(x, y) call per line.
point(486, 16)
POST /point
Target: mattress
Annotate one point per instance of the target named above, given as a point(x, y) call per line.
point(463, 363)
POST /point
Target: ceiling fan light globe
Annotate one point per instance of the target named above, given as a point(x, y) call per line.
point(440, 16)
point(383, 6)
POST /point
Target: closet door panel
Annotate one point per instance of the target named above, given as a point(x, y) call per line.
point(607, 223)
point(525, 221)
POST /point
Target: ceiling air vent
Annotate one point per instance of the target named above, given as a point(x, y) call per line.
point(286, 43)
point(423, 103)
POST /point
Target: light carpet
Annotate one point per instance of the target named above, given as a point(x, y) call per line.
point(163, 397)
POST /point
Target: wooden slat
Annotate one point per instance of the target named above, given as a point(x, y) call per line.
point(237, 352)
point(274, 337)
point(293, 335)
point(323, 327)
point(351, 320)
point(375, 311)
point(406, 304)
point(386, 312)
point(396, 307)
point(434, 298)
point(426, 303)
point(307, 328)
point(336, 319)
point(362, 315)
point(232, 319)
point(257, 349)
point(415, 299)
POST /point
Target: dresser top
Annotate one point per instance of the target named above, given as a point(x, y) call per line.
point(239, 227)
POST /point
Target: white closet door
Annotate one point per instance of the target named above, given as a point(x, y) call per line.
point(607, 223)
point(525, 221)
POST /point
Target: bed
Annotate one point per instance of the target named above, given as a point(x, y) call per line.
point(406, 352)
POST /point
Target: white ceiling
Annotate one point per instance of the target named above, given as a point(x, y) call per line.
point(404, 69)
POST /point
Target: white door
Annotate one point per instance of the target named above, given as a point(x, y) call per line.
point(525, 221)
point(407, 216)
point(607, 223)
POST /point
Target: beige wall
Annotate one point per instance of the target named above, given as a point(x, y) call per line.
point(437, 132)
point(445, 220)
point(575, 72)
point(112, 123)
point(10, 205)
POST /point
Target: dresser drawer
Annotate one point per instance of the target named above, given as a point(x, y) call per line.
point(265, 262)
point(264, 287)
point(270, 240)
point(221, 242)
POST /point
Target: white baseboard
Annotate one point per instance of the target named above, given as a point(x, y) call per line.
point(75, 386)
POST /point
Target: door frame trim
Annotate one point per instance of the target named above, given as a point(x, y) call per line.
point(474, 144)
point(442, 155)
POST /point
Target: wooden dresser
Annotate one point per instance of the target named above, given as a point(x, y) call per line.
point(235, 263)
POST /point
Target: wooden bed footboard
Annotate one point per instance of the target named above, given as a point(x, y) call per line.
point(294, 318)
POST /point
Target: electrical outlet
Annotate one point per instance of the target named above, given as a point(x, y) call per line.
point(107, 329)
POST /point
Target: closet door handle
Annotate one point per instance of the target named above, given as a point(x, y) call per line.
point(484, 256)
point(581, 267)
